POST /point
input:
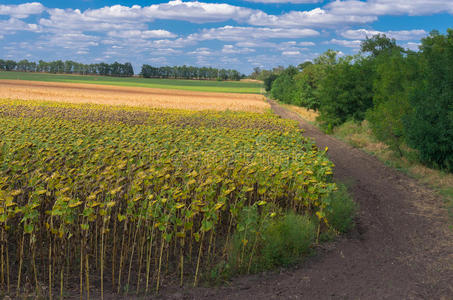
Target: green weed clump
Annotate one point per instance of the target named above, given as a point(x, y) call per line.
point(273, 241)
point(287, 240)
point(342, 210)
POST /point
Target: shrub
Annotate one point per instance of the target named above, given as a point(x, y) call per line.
point(265, 243)
point(341, 214)
point(286, 240)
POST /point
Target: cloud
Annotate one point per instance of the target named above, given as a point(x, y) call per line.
point(402, 35)
point(12, 25)
point(230, 49)
point(113, 18)
point(307, 44)
point(412, 46)
point(73, 41)
point(290, 53)
point(197, 12)
point(286, 1)
point(391, 7)
point(22, 11)
point(142, 34)
point(345, 43)
point(231, 33)
point(317, 17)
point(201, 52)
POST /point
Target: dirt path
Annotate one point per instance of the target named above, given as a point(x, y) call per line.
point(401, 248)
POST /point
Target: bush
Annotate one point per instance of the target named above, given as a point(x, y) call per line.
point(286, 240)
point(343, 209)
point(265, 243)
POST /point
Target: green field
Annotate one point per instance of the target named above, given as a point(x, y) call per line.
point(177, 84)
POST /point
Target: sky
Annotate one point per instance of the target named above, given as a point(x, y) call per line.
point(234, 34)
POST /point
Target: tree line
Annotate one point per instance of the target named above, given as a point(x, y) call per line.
point(406, 96)
point(68, 67)
point(190, 72)
point(121, 70)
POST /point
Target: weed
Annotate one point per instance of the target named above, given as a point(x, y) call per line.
point(343, 209)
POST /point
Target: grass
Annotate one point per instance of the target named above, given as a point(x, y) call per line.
point(177, 84)
point(359, 135)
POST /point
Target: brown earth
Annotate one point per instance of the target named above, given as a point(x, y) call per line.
point(131, 96)
point(401, 247)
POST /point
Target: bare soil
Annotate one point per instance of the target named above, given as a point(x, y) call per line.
point(401, 247)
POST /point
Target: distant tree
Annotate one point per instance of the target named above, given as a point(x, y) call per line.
point(10, 65)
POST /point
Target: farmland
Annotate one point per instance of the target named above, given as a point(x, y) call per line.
point(130, 96)
point(172, 84)
point(130, 197)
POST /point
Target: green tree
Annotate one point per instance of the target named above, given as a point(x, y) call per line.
point(284, 88)
point(346, 92)
point(379, 44)
point(395, 75)
point(429, 125)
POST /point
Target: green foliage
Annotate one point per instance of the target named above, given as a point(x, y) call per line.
point(265, 243)
point(268, 81)
point(307, 83)
point(287, 239)
point(395, 74)
point(379, 44)
point(284, 87)
point(429, 125)
point(189, 72)
point(346, 91)
point(342, 210)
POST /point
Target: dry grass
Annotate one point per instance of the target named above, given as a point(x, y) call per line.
point(306, 114)
point(132, 96)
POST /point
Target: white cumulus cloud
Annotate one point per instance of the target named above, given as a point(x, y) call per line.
point(286, 1)
point(22, 10)
point(232, 33)
point(230, 49)
point(391, 7)
point(402, 35)
point(345, 43)
point(142, 34)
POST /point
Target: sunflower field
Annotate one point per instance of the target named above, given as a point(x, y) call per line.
point(120, 199)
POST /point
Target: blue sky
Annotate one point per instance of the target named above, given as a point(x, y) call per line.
point(236, 34)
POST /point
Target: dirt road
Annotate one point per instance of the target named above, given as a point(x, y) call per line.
point(401, 248)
